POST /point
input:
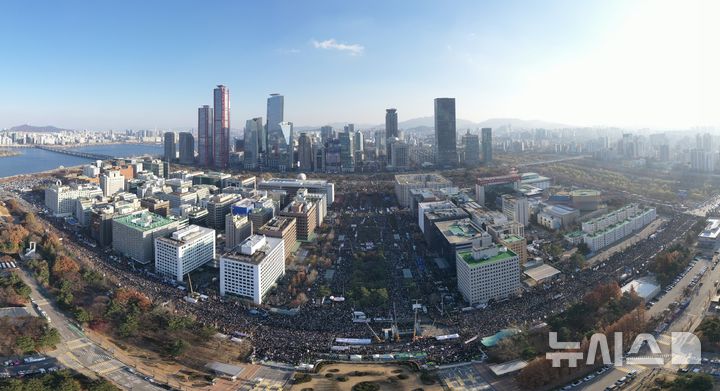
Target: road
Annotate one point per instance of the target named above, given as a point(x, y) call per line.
point(78, 352)
point(688, 321)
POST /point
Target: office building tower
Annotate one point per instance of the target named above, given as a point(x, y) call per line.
point(487, 272)
point(326, 134)
point(205, 136)
point(221, 127)
point(445, 133)
point(187, 148)
point(471, 145)
point(237, 229)
point(170, 144)
point(516, 208)
point(134, 234)
point(282, 227)
point(487, 145)
point(252, 133)
point(112, 182)
point(305, 152)
point(184, 251)
point(253, 268)
point(400, 153)
point(304, 211)
point(218, 206)
point(287, 135)
point(359, 144)
point(319, 159)
point(391, 130)
point(347, 157)
point(61, 200)
point(275, 115)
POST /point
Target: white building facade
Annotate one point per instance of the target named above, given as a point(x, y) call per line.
point(184, 251)
point(254, 270)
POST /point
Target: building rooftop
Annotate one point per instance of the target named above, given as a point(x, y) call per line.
point(459, 231)
point(542, 272)
point(585, 193)
point(502, 255)
point(421, 179)
point(187, 235)
point(278, 223)
point(512, 239)
point(143, 220)
point(712, 229)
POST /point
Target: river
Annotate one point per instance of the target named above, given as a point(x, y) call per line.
point(33, 160)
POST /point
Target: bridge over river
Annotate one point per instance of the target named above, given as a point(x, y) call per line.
point(73, 152)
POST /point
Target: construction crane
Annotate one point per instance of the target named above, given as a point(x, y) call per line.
point(192, 297)
point(395, 328)
point(415, 324)
point(377, 337)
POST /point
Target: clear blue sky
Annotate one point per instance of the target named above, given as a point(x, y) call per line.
point(145, 64)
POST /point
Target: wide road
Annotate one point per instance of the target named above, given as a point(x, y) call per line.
point(78, 352)
point(687, 321)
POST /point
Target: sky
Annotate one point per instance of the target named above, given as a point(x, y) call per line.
point(150, 64)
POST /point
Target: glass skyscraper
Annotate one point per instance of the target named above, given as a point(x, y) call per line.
point(445, 133)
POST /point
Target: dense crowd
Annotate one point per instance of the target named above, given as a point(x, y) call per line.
point(311, 332)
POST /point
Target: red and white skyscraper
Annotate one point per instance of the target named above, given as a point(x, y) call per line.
point(221, 127)
point(205, 136)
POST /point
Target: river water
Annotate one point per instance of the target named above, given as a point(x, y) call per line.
point(33, 160)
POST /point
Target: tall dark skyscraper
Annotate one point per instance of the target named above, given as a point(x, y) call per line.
point(187, 148)
point(471, 145)
point(445, 133)
point(221, 127)
point(391, 130)
point(487, 145)
point(205, 136)
point(170, 146)
point(275, 115)
point(305, 152)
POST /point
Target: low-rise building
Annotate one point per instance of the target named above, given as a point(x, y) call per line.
point(708, 238)
point(61, 200)
point(252, 270)
point(184, 251)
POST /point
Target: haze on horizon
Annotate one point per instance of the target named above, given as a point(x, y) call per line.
point(101, 65)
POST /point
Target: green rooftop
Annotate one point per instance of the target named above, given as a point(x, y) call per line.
point(472, 262)
point(145, 221)
point(511, 239)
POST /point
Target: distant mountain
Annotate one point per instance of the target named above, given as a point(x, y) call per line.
point(424, 123)
point(37, 129)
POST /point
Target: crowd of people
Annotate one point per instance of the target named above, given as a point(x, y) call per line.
point(311, 332)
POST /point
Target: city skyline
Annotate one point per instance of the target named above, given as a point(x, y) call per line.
point(597, 63)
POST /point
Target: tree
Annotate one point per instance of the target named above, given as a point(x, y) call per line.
point(50, 338)
point(25, 344)
point(177, 347)
point(82, 315)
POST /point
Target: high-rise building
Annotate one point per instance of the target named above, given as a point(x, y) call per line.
point(359, 145)
point(205, 136)
point(347, 157)
point(275, 115)
point(305, 152)
point(60, 200)
point(134, 234)
point(283, 227)
point(471, 145)
point(252, 133)
point(391, 130)
point(487, 145)
point(170, 144)
point(218, 207)
point(184, 251)
point(445, 133)
point(112, 182)
point(237, 229)
point(487, 272)
point(400, 155)
point(221, 127)
point(253, 270)
point(326, 134)
point(187, 148)
point(516, 208)
point(287, 135)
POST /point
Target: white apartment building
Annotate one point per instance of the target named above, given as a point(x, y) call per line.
point(485, 273)
point(186, 250)
point(603, 237)
point(253, 270)
point(61, 200)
